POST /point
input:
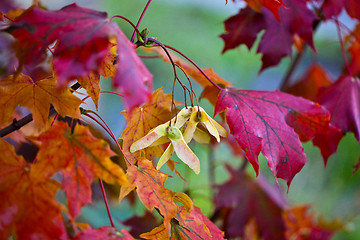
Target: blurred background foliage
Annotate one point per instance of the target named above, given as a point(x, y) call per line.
point(193, 27)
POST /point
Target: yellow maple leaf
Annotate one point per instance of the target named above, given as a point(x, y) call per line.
point(141, 120)
point(36, 96)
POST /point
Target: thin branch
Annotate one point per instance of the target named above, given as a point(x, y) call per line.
point(106, 203)
point(295, 63)
point(342, 47)
point(17, 124)
point(193, 63)
point(127, 20)
point(108, 130)
point(138, 23)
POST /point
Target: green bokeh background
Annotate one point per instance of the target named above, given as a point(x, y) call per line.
point(193, 27)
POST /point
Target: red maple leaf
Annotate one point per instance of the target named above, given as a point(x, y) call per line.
point(28, 206)
point(274, 123)
point(82, 38)
point(277, 40)
point(309, 84)
point(80, 157)
point(332, 8)
point(342, 99)
point(242, 199)
point(272, 5)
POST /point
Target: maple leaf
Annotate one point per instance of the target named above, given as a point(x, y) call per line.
point(91, 83)
point(310, 83)
point(149, 184)
point(36, 96)
point(278, 38)
point(80, 157)
point(104, 233)
point(272, 5)
point(27, 197)
point(138, 225)
point(342, 99)
point(332, 8)
point(243, 28)
point(191, 224)
point(77, 32)
point(272, 122)
point(244, 199)
point(132, 77)
point(354, 62)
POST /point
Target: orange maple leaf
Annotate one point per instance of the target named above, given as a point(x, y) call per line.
point(28, 206)
point(91, 83)
point(142, 120)
point(149, 184)
point(191, 224)
point(80, 157)
point(36, 96)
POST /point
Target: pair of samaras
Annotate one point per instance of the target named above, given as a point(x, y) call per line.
point(179, 131)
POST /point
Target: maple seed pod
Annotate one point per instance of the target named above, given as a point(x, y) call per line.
point(173, 133)
point(149, 138)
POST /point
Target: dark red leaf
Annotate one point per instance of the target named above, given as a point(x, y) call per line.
point(272, 122)
point(243, 28)
point(272, 5)
point(309, 84)
point(342, 99)
point(132, 78)
point(82, 38)
point(328, 141)
point(246, 199)
point(332, 8)
point(141, 224)
point(277, 40)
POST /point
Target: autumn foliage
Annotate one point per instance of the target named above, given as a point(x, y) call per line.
point(49, 55)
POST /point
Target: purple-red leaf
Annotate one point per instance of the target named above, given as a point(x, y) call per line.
point(342, 99)
point(83, 41)
point(332, 8)
point(276, 43)
point(242, 28)
point(272, 122)
point(242, 199)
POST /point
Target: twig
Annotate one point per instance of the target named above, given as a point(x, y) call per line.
point(193, 63)
point(138, 23)
point(17, 124)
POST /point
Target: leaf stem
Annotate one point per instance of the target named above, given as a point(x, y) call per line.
point(106, 203)
point(138, 23)
point(108, 130)
point(147, 40)
point(342, 48)
point(127, 20)
point(193, 63)
point(286, 80)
